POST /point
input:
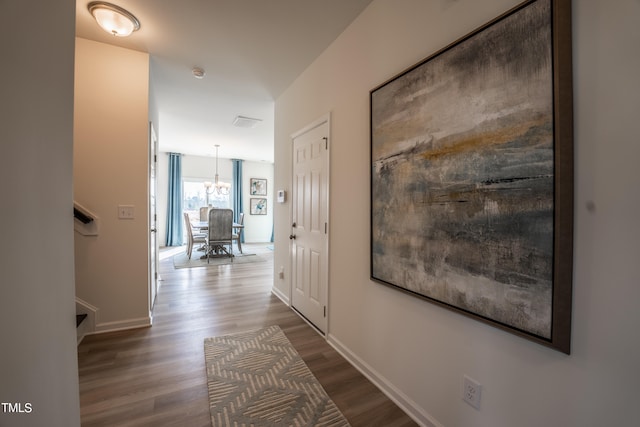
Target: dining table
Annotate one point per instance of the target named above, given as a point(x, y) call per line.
point(203, 226)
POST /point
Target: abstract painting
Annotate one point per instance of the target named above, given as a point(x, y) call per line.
point(469, 158)
point(258, 186)
point(258, 206)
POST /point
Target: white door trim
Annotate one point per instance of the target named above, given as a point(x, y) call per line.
point(152, 195)
point(320, 121)
point(326, 118)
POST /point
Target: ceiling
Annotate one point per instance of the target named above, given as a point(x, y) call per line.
point(251, 51)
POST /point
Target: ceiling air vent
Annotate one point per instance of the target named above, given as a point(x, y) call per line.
point(245, 122)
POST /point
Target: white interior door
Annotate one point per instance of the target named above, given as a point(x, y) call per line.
point(309, 231)
point(153, 240)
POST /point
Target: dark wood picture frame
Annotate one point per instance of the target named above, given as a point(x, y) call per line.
point(472, 175)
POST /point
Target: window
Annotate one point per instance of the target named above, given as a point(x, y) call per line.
point(195, 197)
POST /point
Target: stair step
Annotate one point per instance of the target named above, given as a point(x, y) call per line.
point(80, 318)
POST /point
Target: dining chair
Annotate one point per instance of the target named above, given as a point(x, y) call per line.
point(238, 232)
point(192, 238)
point(220, 233)
point(204, 213)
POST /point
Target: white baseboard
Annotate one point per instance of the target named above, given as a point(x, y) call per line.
point(398, 397)
point(122, 325)
point(279, 294)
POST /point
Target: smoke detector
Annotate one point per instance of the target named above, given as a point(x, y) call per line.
point(198, 73)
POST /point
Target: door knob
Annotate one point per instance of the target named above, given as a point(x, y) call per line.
point(292, 237)
point(294, 224)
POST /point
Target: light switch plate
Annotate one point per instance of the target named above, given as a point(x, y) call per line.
point(126, 212)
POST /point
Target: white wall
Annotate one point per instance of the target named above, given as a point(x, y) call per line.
point(258, 228)
point(38, 359)
point(111, 169)
point(419, 351)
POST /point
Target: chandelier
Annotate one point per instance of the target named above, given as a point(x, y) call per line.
point(218, 187)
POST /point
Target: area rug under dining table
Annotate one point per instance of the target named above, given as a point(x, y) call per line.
point(257, 378)
point(181, 260)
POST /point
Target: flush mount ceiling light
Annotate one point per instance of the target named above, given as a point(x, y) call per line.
point(245, 122)
point(113, 19)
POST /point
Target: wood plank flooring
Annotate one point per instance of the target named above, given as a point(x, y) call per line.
point(156, 376)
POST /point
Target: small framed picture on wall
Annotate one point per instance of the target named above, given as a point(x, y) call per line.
point(258, 206)
point(258, 187)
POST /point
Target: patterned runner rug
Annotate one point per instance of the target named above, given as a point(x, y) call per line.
point(257, 378)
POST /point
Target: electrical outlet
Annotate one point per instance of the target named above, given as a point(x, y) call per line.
point(471, 391)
